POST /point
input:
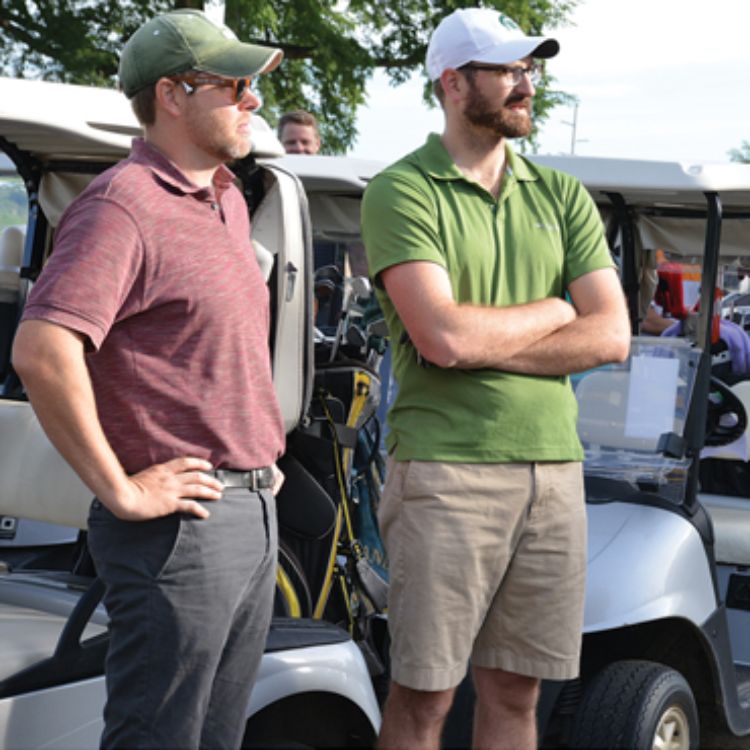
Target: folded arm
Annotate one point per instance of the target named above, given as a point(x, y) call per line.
point(466, 336)
point(546, 337)
point(599, 334)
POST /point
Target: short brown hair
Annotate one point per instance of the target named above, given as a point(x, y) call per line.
point(437, 87)
point(144, 104)
point(298, 117)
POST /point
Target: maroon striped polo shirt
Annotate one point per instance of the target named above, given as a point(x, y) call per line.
point(161, 278)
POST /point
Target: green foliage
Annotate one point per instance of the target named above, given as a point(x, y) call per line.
point(331, 47)
point(741, 154)
point(13, 202)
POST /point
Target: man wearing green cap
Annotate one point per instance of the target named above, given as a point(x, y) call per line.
point(144, 351)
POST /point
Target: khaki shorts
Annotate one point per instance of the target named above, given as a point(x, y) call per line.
point(487, 562)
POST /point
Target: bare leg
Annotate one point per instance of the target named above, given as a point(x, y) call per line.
point(505, 714)
point(413, 719)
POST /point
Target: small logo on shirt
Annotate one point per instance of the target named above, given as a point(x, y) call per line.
point(546, 227)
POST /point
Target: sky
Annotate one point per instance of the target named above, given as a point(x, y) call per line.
point(655, 79)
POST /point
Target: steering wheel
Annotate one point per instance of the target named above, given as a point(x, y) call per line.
point(726, 418)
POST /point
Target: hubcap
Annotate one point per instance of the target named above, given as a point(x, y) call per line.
point(673, 731)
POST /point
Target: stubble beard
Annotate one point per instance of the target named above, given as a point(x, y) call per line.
point(498, 120)
point(219, 139)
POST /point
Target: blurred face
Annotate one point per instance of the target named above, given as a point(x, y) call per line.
point(300, 139)
point(217, 123)
point(495, 104)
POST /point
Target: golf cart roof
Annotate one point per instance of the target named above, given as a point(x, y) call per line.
point(332, 173)
point(334, 187)
point(56, 121)
point(668, 200)
point(650, 183)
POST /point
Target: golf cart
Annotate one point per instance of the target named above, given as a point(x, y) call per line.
point(666, 641)
point(314, 687)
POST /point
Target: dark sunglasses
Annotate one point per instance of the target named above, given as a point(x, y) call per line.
point(191, 81)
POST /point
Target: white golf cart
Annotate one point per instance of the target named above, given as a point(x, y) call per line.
point(314, 688)
point(666, 643)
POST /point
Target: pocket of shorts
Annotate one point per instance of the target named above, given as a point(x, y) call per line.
point(393, 493)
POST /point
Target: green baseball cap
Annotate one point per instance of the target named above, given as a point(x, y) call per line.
point(188, 40)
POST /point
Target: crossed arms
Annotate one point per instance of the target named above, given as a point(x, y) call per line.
point(546, 337)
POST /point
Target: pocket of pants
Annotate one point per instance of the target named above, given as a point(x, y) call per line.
point(180, 529)
point(99, 513)
point(144, 549)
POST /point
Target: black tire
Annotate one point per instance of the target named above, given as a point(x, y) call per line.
point(630, 705)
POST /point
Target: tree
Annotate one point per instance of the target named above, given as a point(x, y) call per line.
point(741, 154)
point(331, 47)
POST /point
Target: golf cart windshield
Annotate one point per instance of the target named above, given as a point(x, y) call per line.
point(632, 416)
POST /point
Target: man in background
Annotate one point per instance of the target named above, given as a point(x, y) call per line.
point(298, 132)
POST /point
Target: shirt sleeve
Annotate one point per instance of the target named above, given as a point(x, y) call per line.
point(94, 275)
point(587, 248)
point(400, 222)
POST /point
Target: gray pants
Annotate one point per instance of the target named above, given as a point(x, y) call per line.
point(190, 603)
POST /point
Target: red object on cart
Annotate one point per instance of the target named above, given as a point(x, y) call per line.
point(678, 293)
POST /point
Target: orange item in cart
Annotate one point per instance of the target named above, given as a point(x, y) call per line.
point(679, 288)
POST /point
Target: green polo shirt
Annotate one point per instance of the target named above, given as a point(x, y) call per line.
point(541, 233)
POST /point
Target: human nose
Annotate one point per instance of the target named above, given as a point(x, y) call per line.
point(525, 86)
point(251, 100)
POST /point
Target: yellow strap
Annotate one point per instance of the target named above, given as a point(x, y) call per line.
point(328, 579)
point(362, 381)
point(286, 587)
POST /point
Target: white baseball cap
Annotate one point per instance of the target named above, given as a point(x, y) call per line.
point(482, 35)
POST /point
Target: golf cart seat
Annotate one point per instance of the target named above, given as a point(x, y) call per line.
point(11, 253)
point(55, 495)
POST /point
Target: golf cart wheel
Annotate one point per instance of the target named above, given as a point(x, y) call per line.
point(637, 705)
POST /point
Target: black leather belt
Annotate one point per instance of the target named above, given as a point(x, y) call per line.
point(252, 479)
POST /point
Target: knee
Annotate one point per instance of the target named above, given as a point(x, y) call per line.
point(423, 707)
point(513, 693)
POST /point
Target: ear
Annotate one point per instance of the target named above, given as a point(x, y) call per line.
point(168, 98)
point(453, 84)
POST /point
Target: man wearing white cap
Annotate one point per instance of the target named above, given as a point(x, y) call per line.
point(144, 351)
point(473, 250)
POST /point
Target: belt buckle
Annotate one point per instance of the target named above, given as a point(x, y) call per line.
point(254, 480)
point(260, 479)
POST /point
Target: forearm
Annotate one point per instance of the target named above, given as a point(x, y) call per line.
point(474, 337)
point(589, 341)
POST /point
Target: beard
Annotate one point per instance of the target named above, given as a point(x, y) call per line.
point(498, 119)
point(218, 137)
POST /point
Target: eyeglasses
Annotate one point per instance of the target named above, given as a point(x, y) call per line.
point(510, 75)
point(191, 81)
